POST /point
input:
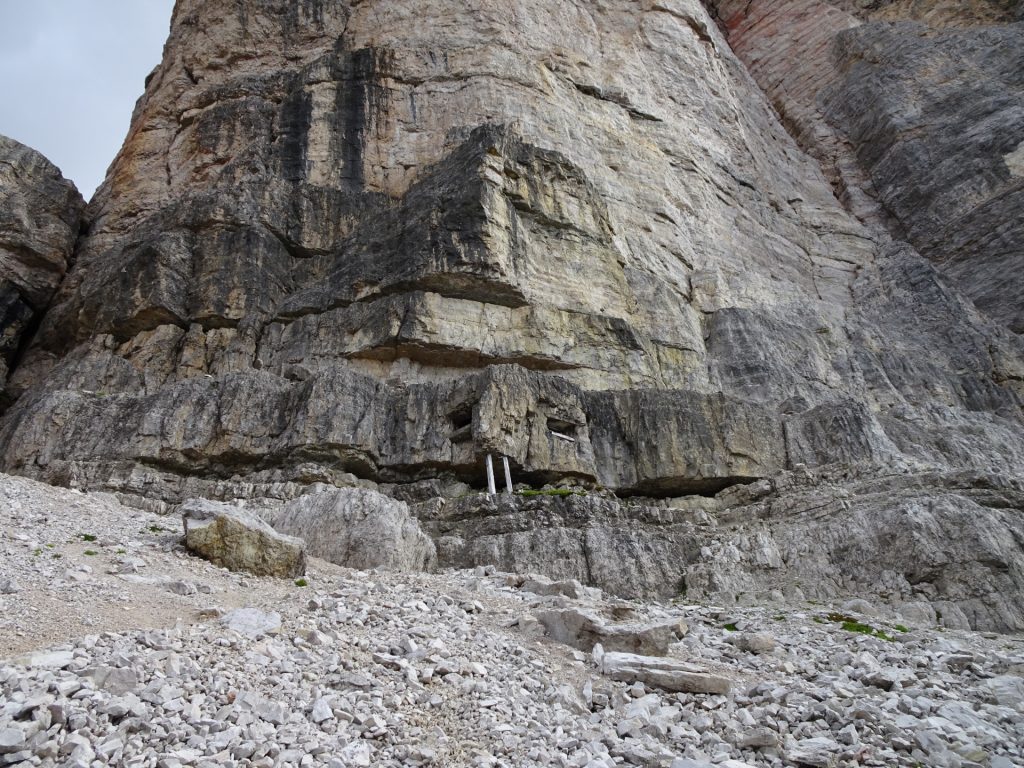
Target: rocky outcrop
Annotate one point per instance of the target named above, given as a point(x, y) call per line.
point(931, 548)
point(631, 551)
point(246, 421)
point(239, 541)
point(40, 216)
point(358, 529)
point(942, 549)
point(914, 108)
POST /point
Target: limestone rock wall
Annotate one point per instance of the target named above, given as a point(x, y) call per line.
point(914, 109)
point(939, 548)
point(754, 274)
point(394, 236)
point(40, 214)
point(936, 548)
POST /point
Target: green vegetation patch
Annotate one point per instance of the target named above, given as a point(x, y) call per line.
point(552, 492)
point(301, 583)
point(90, 552)
point(850, 624)
point(87, 537)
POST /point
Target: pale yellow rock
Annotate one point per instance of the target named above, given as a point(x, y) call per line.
point(234, 539)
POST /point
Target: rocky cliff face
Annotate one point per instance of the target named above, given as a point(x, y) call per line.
point(40, 213)
point(371, 242)
point(914, 109)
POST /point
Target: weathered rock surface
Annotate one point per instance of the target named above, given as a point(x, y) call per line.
point(636, 550)
point(235, 539)
point(667, 674)
point(252, 622)
point(754, 642)
point(40, 216)
point(583, 629)
point(541, 585)
point(950, 542)
point(358, 529)
point(353, 422)
point(913, 106)
point(935, 548)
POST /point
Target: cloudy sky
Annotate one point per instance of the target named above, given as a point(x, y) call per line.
point(70, 73)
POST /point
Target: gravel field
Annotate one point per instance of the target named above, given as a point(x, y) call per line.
point(119, 648)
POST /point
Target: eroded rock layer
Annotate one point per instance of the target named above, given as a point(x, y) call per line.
point(940, 548)
point(393, 237)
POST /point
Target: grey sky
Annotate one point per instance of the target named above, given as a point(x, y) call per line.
point(70, 74)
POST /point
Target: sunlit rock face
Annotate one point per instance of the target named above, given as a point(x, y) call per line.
point(386, 238)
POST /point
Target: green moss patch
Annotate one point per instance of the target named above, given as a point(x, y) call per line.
point(850, 624)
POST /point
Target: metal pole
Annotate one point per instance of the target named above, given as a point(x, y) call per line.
point(490, 476)
point(508, 475)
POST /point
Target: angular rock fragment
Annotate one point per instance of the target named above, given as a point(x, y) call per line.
point(541, 585)
point(52, 659)
point(11, 740)
point(234, 539)
point(666, 674)
point(753, 642)
point(585, 629)
point(1007, 691)
point(758, 738)
point(817, 752)
point(116, 680)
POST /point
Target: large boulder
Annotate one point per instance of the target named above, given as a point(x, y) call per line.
point(233, 538)
point(359, 529)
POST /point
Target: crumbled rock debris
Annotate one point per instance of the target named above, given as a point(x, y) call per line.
point(365, 668)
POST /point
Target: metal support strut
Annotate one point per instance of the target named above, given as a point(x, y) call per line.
point(508, 475)
point(492, 488)
point(490, 476)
